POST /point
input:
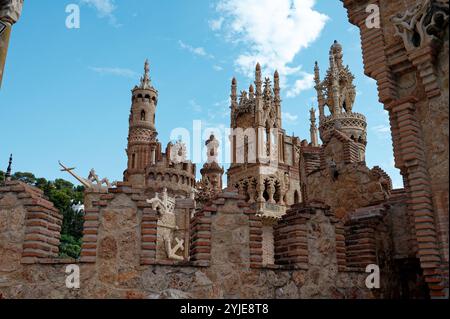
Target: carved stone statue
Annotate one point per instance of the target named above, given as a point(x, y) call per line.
point(93, 182)
point(167, 224)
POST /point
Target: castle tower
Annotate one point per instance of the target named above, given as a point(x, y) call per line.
point(211, 172)
point(338, 93)
point(142, 147)
point(264, 160)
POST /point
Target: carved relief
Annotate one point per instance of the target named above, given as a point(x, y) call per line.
point(422, 25)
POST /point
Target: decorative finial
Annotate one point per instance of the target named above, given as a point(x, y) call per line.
point(312, 113)
point(276, 75)
point(145, 80)
point(258, 81)
point(8, 170)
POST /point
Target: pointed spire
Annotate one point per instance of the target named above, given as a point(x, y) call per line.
point(233, 94)
point(258, 81)
point(8, 170)
point(276, 84)
point(335, 109)
point(267, 87)
point(145, 80)
point(313, 127)
point(319, 88)
point(316, 73)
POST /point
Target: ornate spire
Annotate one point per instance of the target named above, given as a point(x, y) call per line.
point(258, 81)
point(276, 85)
point(313, 128)
point(145, 80)
point(8, 170)
point(267, 88)
point(319, 90)
point(233, 92)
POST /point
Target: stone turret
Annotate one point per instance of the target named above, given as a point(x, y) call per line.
point(148, 165)
point(338, 93)
point(265, 159)
point(211, 171)
point(143, 146)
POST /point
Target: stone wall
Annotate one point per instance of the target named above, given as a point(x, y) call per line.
point(116, 267)
point(411, 70)
point(355, 186)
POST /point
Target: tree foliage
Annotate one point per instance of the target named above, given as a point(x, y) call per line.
point(65, 196)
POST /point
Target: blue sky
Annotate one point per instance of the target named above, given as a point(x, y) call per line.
point(66, 92)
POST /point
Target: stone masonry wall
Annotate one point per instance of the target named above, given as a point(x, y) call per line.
point(412, 78)
point(116, 268)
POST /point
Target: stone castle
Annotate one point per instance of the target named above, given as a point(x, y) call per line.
point(297, 219)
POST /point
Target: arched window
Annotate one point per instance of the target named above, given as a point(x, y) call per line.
point(296, 197)
point(133, 161)
point(142, 115)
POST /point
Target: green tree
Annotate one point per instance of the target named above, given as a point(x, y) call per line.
point(2, 176)
point(25, 177)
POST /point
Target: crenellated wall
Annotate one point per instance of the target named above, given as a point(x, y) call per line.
point(225, 253)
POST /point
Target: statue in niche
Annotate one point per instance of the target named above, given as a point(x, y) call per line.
point(167, 225)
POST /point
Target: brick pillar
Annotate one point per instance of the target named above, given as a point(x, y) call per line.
point(256, 239)
point(149, 231)
point(41, 224)
point(341, 251)
point(90, 232)
point(360, 241)
point(200, 232)
point(42, 228)
point(410, 158)
point(291, 242)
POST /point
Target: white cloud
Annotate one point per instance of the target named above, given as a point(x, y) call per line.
point(105, 8)
point(302, 84)
point(115, 71)
point(382, 130)
point(217, 68)
point(216, 24)
point(288, 117)
point(272, 32)
point(195, 50)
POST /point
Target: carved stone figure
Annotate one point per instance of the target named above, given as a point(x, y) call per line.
point(93, 182)
point(423, 24)
point(167, 224)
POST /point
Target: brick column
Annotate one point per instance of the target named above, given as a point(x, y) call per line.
point(291, 242)
point(200, 248)
point(341, 251)
point(149, 231)
point(256, 238)
point(360, 239)
point(90, 232)
point(410, 158)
